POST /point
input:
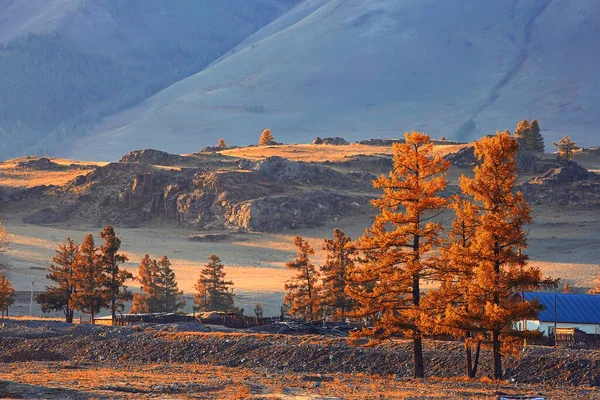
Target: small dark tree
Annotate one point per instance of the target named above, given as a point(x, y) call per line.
point(216, 292)
point(7, 294)
point(115, 276)
point(258, 310)
point(339, 261)
point(302, 290)
point(59, 297)
point(170, 296)
point(89, 282)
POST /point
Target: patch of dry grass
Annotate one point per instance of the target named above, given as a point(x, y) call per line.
point(320, 153)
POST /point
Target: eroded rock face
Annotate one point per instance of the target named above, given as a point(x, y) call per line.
point(270, 195)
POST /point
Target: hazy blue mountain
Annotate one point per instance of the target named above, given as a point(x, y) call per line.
point(377, 68)
point(65, 64)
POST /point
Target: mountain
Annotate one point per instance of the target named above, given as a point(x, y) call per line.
point(66, 64)
point(377, 68)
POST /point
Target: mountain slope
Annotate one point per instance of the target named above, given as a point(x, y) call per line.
point(378, 68)
point(65, 64)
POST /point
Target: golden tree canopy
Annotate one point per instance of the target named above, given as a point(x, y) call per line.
point(266, 138)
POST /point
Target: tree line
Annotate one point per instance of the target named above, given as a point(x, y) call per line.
point(479, 263)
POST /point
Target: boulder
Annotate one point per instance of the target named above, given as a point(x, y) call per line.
point(317, 140)
point(152, 157)
point(337, 141)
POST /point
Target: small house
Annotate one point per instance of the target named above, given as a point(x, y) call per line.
point(565, 310)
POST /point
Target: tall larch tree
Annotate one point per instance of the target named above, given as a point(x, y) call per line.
point(171, 299)
point(340, 259)
point(214, 293)
point(499, 242)
point(89, 281)
point(454, 308)
point(400, 243)
point(266, 138)
point(59, 296)
point(115, 275)
point(7, 294)
point(302, 290)
point(566, 149)
point(148, 300)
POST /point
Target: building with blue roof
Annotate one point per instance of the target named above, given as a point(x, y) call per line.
point(566, 310)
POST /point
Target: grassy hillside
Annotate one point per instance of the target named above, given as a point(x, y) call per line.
point(377, 68)
point(65, 65)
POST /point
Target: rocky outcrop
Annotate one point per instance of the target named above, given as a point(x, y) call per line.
point(564, 186)
point(40, 164)
point(335, 141)
point(269, 195)
point(152, 157)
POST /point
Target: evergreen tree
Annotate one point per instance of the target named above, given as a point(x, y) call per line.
point(89, 282)
point(266, 138)
point(339, 261)
point(400, 243)
point(171, 299)
point(214, 292)
point(59, 297)
point(302, 290)
point(222, 144)
point(148, 300)
point(566, 149)
point(7, 294)
point(115, 276)
point(498, 244)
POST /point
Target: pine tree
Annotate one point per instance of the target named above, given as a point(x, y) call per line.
point(59, 297)
point(214, 292)
point(339, 261)
point(89, 282)
point(116, 277)
point(170, 296)
point(222, 144)
point(200, 297)
point(566, 149)
point(499, 243)
point(148, 300)
point(302, 290)
point(400, 242)
point(7, 294)
point(266, 138)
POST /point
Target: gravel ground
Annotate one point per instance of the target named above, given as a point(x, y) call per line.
point(23, 341)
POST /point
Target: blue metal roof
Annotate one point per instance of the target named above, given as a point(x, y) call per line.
point(570, 307)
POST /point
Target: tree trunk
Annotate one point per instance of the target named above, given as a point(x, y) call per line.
point(417, 341)
point(468, 354)
point(93, 318)
point(476, 363)
point(113, 309)
point(497, 355)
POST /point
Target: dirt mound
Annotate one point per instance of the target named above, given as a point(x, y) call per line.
point(572, 172)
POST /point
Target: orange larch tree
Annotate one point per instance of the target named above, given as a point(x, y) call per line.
point(499, 242)
point(266, 138)
point(7, 294)
point(115, 275)
point(400, 243)
point(303, 290)
point(148, 300)
point(89, 281)
point(340, 259)
point(454, 308)
point(58, 297)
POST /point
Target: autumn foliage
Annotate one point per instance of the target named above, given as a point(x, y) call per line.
point(7, 294)
point(213, 292)
point(266, 138)
point(302, 290)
